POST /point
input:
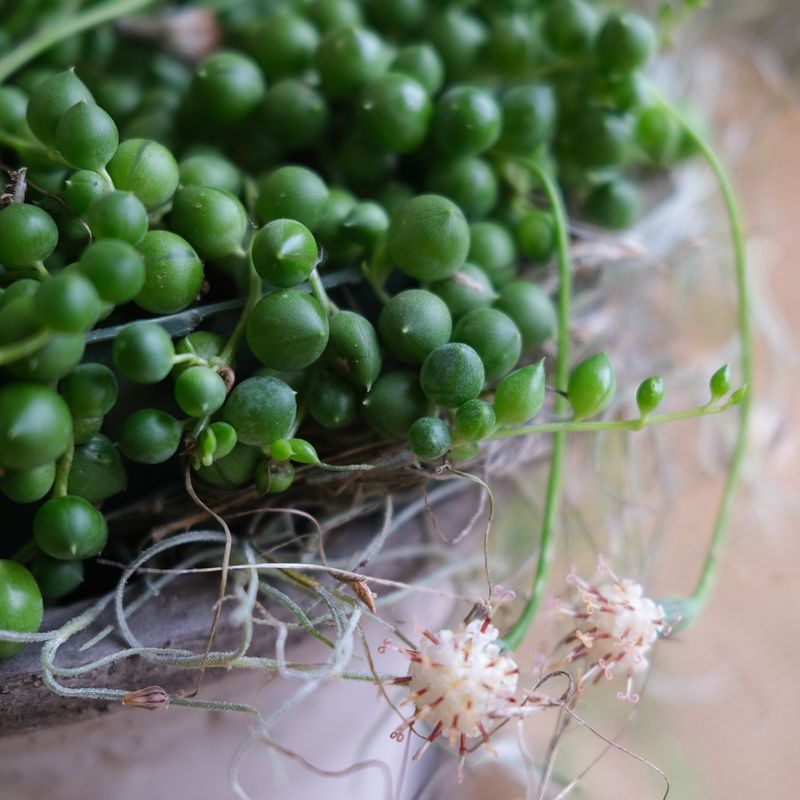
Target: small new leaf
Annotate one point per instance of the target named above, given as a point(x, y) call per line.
point(649, 395)
point(281, 450)
point(303, 452)
point(739, 394)
point(720, 383)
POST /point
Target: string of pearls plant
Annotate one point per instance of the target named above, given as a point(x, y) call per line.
point(316, 234)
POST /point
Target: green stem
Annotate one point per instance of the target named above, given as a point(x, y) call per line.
point(253, 296)
point(189, 358)
point(103, 173)
point(376, 284)
point(318, 290)
point(719, 535)
point(10, 353)
point(25, 553)
point(61, 29)
point(20, 143)
point(345, 467)
point(614, 425)
point(60, 485)
point(41, 270)
point(518, 630)
point(232, 345)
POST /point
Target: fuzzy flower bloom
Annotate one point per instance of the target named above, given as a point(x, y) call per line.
point(616, 625)
point(459, 682)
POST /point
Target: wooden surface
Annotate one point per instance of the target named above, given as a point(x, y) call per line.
point(178, 617)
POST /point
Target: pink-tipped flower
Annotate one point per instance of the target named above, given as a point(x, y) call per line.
point(616, 625)
point(460, 682)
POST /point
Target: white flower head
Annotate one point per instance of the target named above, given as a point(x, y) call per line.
point(616, 625)
point(460, 681)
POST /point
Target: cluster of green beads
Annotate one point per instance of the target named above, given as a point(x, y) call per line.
point(385, 136)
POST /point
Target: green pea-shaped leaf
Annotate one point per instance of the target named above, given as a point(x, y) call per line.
point(18, 319)
point(55, 577)
point(531, 309)
point(213, 221)
point(86, 136)
point(115, 268)
point(292, 192)
point(225, 88)
point(330, 232)
point(334, 402)
point(21, 606)
point(474, 420)
point(281, 449)
point(591, 386)
point(117, 215)
point(206, 447)
point(149, 436)
point(394, 403)
point(452, 374)
point(464, 452)
point(649, 395)
point(35, 425)
point(492, 248)
point(27, 235)
point(347, 57)
point(413, 323)
point(353, 348)
point(366, 223)
point(420, 61)
point(225, 437)
point(147, 169)
point(428, 238)
point(394, 111)
point(235, 469)
point(143, 352)
point(200, 391)
point(28, 485)
point(429, 438)
point(520, 395)
point(287, 330)
point(720, 383)
point(97, 471)
point(69, 528)
point(210, 168)
point(52, 98)
point(261, 409)
point(86, 427)
point(284, 252)
point(303, 452)
point(67, 302)
point(82, 188)
point(494, 337)
point(739, 394)
point(274, 477)
point(294, 113)
point(468, 289)
point(173, 273)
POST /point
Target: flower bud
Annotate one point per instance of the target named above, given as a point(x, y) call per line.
point(152, 698)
